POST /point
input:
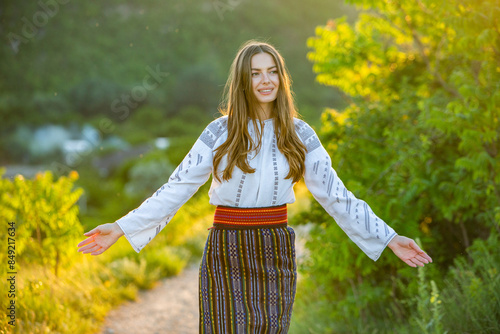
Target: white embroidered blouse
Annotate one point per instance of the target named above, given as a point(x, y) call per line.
point(265, 187)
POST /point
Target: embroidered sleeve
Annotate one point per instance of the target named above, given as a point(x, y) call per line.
point(353, 215)
point(142, 224)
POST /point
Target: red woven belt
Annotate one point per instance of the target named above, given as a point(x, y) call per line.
point(250, 218)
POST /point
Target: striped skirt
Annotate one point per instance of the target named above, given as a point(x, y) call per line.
point(248, 272)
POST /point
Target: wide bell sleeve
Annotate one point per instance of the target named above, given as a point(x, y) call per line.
point(142, 224)
point(353, 215)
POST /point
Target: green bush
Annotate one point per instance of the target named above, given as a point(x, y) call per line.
point(169, 261)
point(418, 142)
point(45, 216)
point(143, 125)
point(85, 288)
point(471, 292)
point(128, 271)
point(148, 174)
point(95, 96)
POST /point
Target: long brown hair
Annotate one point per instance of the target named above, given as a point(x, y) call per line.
point(240, 104)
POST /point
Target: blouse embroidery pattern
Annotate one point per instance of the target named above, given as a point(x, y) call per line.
point(267, 186)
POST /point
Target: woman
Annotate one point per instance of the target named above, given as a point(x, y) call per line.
point(257, 151)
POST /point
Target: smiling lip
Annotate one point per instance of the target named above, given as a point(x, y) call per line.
point(266, 91)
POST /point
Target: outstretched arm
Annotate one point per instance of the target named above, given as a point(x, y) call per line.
point(353, 215)
point(408, 251)
point(101, 238)
point(144, 223)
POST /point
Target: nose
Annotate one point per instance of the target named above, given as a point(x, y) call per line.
point(265, 77)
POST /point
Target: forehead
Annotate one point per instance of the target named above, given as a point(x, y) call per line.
point(262, 61)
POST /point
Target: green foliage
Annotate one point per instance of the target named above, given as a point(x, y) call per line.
point(178, 53)
point(85, 287)
point(147, 173)
point(469, 301)
point(419, 142)
point(71, 305)
point(55, 291)
point(144, 124)
point(144, 271)
point(111, 46)
point(428, 315)
point(128, 271)
point(415, 138)
point(95, 96)
point(103, 197)
point(45, 216)
point(183, 126)
point(197, 86)
point(51, 108)
point(168, 261)
point(471, 296)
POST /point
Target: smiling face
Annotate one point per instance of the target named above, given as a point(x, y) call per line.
point(265, 82)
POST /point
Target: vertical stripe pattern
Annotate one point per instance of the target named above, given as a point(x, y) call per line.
point(247, 280)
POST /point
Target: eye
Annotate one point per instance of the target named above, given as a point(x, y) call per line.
point(254, 74)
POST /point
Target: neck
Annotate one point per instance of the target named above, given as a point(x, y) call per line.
point(265, 111)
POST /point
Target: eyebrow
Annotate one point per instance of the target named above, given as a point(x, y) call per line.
point(258, 69)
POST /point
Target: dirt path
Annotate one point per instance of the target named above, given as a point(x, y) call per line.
point(170, 308)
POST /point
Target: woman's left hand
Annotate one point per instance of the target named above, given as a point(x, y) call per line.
point(408, 251)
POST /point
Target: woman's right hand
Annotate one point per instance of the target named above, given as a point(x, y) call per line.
point(100, 238)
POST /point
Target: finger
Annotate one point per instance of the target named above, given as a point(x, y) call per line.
point(91, 249)
point(416, 262)
point(84, 248)
point(421, 258)
point(92, 231)
point(424, 255)
point(411, 264)
point(99, 251)
point(86, 241)
point(420, 251)
point(414, 245)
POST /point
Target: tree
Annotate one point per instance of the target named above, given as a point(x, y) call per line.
point(420, 138)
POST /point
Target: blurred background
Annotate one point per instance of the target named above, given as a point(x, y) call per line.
point(99, 102)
